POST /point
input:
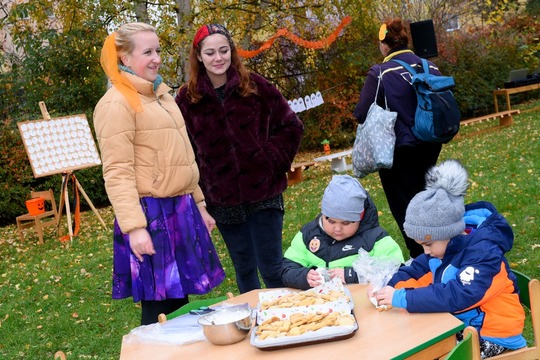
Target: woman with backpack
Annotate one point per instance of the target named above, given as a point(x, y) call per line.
point(412, 157)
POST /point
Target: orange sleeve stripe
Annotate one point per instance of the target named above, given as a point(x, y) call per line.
point(413, 283)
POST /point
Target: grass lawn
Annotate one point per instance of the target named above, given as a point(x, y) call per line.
point(55, 297)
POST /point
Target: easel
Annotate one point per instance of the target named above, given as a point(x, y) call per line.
point(64, 195)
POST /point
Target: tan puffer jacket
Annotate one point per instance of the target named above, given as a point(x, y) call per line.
point(143, 154)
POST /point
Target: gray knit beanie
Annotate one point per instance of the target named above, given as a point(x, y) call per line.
point(343, 198)
point(437, 212)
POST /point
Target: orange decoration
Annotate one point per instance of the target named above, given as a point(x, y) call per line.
point(382, 32)
point(35, 206)
point(326, 148)
point(305, 43)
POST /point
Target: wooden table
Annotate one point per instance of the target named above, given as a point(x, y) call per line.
point(393, 334)
point(510, 91)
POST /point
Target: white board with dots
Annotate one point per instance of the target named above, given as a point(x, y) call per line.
point(59, 145)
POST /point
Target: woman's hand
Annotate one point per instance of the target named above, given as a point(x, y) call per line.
point(141, 243)
point(314, 278)
point(337, 272)
point(207, 218)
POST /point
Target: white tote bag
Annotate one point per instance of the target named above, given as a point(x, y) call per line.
point(375, 140)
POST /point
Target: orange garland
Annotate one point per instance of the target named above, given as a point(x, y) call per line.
point(305, 43)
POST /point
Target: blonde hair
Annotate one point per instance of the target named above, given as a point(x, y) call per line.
point(124, 37)
point(116, 45)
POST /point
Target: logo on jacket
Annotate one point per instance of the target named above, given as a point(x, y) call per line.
point(467, 275)
point(347, 248)
point(314, 244)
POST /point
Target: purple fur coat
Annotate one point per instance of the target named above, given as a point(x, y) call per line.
point(244, 145)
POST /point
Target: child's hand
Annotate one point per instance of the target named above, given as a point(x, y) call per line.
point(369, 291)
point(337, 272)
point(384, 296)
point(314, 278)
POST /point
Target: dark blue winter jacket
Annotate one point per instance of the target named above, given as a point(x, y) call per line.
point(473, 280)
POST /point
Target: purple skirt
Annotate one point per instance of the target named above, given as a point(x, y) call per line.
point(185, 261)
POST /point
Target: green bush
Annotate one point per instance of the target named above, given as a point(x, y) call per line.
point(60, 68)
point(481, 59)
point(15, 174)
point(533, 7)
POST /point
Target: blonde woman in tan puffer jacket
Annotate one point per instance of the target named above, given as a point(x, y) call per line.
point(162, 245)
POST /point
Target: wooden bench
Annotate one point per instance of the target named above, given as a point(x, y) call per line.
point(505, 119)
point(295, 174)
point(338, 161)
point(507, 92)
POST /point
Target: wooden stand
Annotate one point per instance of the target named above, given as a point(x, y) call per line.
point(64, 195)
point(64, 200)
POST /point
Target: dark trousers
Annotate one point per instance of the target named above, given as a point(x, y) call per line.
point(256, 244)
point(152, 309)
point(405, 179)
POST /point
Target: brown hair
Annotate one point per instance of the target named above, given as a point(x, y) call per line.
point(196, 67)
point(397, 33)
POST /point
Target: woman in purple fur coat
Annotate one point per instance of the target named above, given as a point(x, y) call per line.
point(245, 137)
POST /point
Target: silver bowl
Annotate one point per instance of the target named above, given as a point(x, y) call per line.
point(228, 325)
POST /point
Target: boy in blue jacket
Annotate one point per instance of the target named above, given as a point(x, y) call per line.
point(463, 269)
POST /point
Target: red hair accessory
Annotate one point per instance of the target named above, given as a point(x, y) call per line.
point(210, 29)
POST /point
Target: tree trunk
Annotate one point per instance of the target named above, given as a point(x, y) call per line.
point(141, 11)
point(183, 16)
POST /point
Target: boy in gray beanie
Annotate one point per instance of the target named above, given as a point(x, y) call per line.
point(348, 222)
point(463, 269)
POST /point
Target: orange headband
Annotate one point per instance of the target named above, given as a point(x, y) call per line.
point(109, 63)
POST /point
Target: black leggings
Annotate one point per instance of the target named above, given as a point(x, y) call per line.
point(404, 180)
point(151, 309)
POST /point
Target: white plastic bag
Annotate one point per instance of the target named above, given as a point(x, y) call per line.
point(183, 329)
point(376, 271)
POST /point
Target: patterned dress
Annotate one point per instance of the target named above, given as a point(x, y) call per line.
point(185, 261)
